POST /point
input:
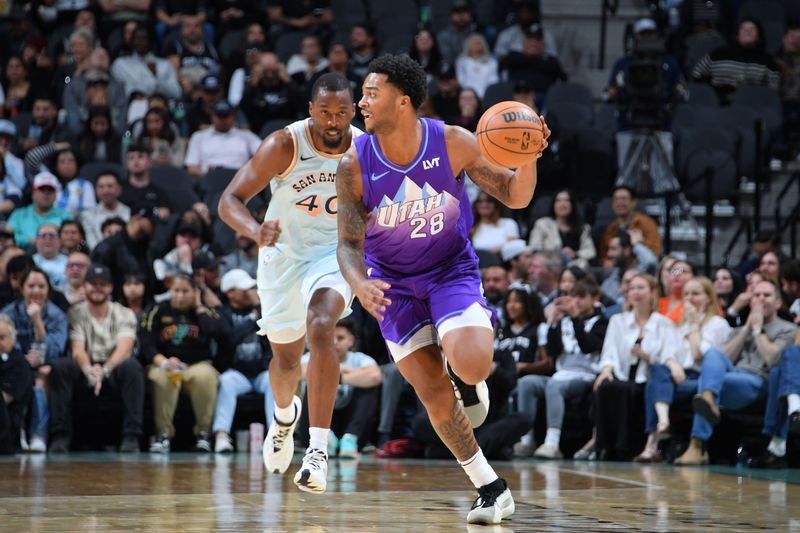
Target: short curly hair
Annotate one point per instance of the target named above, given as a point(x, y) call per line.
point(405, 74)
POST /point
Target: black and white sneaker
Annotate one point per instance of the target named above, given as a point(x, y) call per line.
point(313, 474)
point(279, 443)
point(203, 442)
point(493, 504)
point(473, 398)
point(161, 444)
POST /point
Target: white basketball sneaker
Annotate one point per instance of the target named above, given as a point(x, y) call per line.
point(473, 398)
point(313, 474)
point(493, 504)
point(279, 443)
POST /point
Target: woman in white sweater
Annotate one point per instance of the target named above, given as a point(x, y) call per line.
point(701, 327)
point(564, 231)
point(635, 340)
point(475, 67)
point(491, 229)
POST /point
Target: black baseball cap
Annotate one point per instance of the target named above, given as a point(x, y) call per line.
point(205, 260)
point(98, 272)
point(223, 108)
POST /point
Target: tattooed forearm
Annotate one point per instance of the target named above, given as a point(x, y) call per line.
point(456, 433)
point(352, 221)
point(496, 183)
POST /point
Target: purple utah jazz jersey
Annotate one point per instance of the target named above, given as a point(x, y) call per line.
point(419, 215)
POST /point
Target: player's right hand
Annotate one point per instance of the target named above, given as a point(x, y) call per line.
point(269, 233)
point(373, 300)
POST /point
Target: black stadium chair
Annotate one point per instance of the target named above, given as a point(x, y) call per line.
point(702, 94)
point(90, 171)
point(273, 125)
point(496, 93)
point(569, 93)
point(711, 147)
point(288, 43)
point(177, 184)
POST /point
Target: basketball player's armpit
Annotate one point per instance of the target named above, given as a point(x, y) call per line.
point(493, 181)
point(457, 433)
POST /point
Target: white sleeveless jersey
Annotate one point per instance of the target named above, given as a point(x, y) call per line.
point(304, 198)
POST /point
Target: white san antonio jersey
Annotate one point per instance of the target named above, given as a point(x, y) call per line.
point(304, 198)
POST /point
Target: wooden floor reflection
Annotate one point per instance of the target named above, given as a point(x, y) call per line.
point(186, 492)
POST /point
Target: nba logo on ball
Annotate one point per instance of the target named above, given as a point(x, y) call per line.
point(509, 134)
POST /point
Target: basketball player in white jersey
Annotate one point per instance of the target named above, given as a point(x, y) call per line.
point(301, 289)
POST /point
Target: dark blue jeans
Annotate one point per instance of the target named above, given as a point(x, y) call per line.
point(784, 380)
point(734, 388)
point(661, 388)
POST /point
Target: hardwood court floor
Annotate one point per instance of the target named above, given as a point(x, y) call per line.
point(90, 493)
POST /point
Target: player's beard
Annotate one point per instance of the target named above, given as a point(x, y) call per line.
point(332, 142)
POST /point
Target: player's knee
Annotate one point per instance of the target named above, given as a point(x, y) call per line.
point(286, 362)
point(320, 326)
point(473, 368)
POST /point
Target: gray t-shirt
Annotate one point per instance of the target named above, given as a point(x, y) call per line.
point(779, 332)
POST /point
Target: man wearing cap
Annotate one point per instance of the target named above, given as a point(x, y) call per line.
point(532, 64)
point(517, 255)
point(645, 30)
point(15, 181)
point(78, 93)
point(127, 252)
point(199, 115)
point(222, 144)
point(511, 38)
point(102, 335)
point(205, 267)
point(452, 38)
point(108, 190)
point(26, 220)
point(188, 240)
point(445, 100)
point(143, 71)
point(251, 356)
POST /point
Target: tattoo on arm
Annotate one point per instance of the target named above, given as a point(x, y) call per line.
point(498, 184)
point(352, 222)
point(457, 433)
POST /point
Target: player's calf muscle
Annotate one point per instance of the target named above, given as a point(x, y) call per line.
point(456, 432)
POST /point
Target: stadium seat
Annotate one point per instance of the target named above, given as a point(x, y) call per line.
point(288, 43)
point(571, 116)
point(272, 125)
point(91, 170)
point(702, 148)
point(702, 94)
point(178, 185)
point(697, 46)
point(569, 93)
point(496, 93)
point(230, 43)
point(212, 184)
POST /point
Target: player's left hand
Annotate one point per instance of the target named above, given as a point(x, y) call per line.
point(370, 293)
point(545, 136)
point(269, 233)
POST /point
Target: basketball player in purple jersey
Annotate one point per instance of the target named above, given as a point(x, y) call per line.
point(404, 222)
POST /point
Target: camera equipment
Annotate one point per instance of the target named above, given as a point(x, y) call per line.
point(646, 87)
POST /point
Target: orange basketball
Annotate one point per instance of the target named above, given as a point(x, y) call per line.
point(509, 134)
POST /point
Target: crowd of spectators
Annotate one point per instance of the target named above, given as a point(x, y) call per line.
point(117, 278)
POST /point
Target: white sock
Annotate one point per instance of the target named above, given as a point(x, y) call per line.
point(319, 438)
point(478, 470)
point(527, 438)
point(794, 403)
point(553, 437)
point(777, 446)
point(286, 415)
point(662, 412)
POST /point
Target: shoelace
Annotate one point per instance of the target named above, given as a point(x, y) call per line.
point(280, 436)
point(314, 459)
point(487, 498)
